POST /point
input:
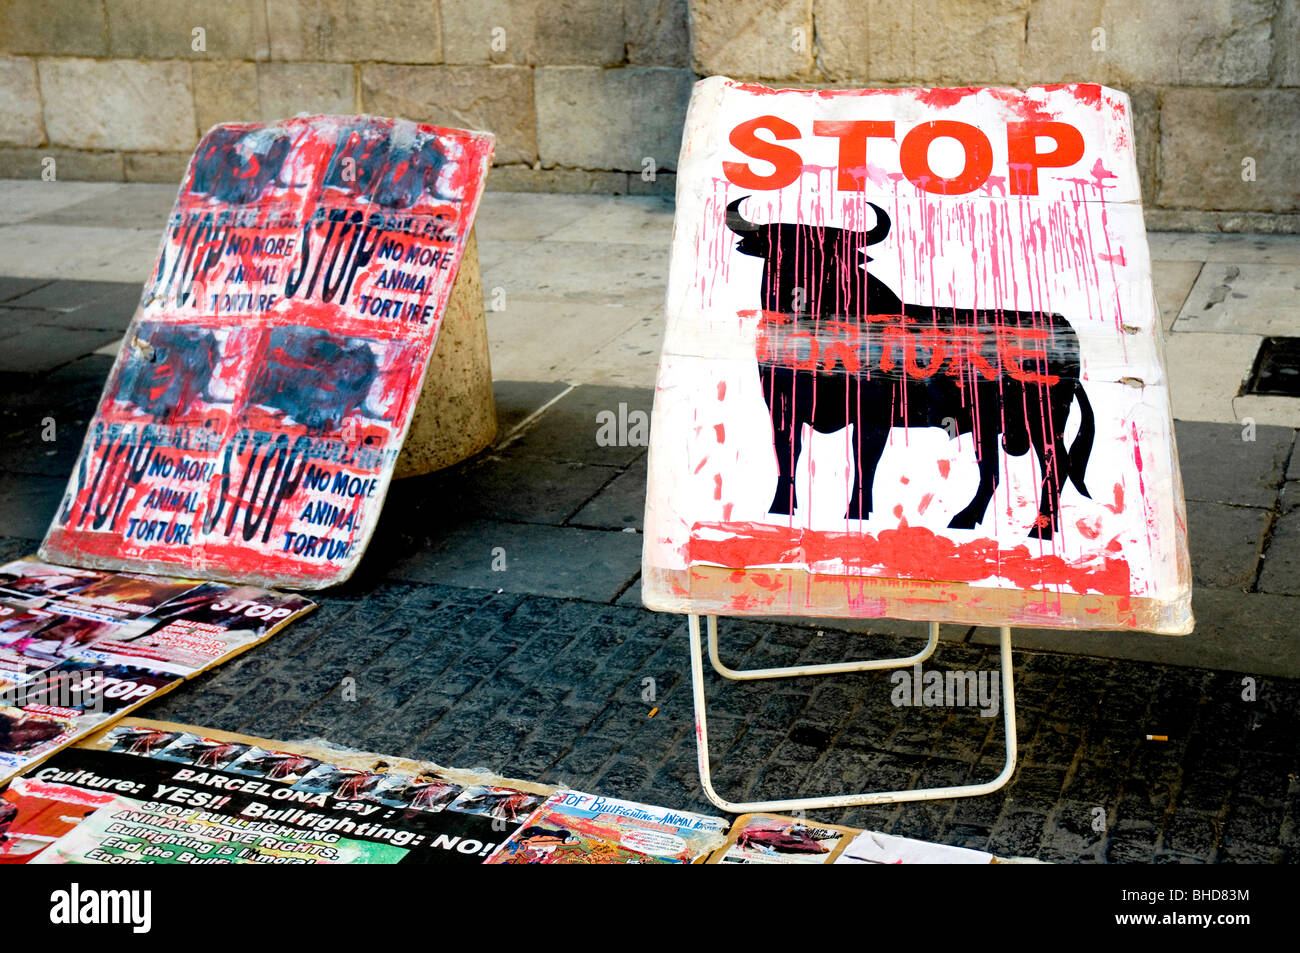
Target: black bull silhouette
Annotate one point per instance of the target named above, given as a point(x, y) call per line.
point(239, 166)
point(838, 347)
point(168, 367)
point(315, 377)
point(368, 162)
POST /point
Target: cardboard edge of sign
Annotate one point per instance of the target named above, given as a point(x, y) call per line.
point(65, 557)
point(774, 592)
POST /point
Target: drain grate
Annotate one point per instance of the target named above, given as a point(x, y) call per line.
point(1277, 369)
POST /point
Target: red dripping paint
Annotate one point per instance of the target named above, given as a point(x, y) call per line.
point(944, 97)
point(1088, 529)
point(1100, 174)
point(1087, 93)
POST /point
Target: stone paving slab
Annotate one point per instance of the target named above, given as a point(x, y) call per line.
point(632, 358)
point(632, 595)
point(514, 488)
point(1218, 466)
point(78, 252)
point(25, 199)
point(620, 504)
point(75, 384)
point(67, 395)
point(72, 296)
point(1189, 246)
point(27, 504)
point(555, 338)
point(1281, 571)
point(142, 206)
point(1254, 299)
point(518, 400)
point(26, 450)
point(1228, 542)
point(1173, 282)
point(1283, 411)
point(1253, 633)
point(627, 272)
point(13, 287)
point(577, 429)
point(18, 320)
point(637, 221)
point(111, 316)
point(1207, 372)
point(525, 217)
point(39, 348)
point(528, 557)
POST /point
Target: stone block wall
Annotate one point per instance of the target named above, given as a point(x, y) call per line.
point(589, 95)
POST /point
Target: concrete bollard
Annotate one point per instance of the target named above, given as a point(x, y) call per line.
point(456, 415)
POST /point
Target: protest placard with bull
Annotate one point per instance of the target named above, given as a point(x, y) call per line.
point(912, 365)
point(250, 426)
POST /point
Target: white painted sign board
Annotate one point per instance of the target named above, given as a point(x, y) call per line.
point(913, 365)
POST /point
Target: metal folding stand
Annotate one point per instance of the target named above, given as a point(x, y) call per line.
point(840, 800)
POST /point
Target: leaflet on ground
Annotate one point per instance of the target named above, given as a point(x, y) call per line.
point(81, 647)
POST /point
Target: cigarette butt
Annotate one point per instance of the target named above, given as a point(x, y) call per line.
point(653, 712)
point(1157, 737)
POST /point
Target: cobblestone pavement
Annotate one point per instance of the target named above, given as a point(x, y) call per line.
point(540, 670)
point(552, 689)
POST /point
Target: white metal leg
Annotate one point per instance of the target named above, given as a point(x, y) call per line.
point(840, 800)
point(865, 665)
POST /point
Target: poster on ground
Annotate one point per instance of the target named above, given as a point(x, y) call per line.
point(873, 847)
point(913, 365)
point(249, 428)
point(155, 792)
point(577, 828)
point(773, 839)
point(145, 792)
point(81, 647)
point(777, 839)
